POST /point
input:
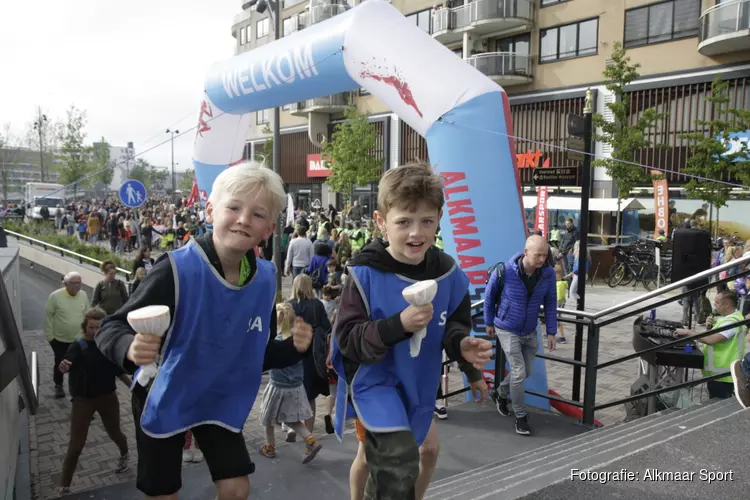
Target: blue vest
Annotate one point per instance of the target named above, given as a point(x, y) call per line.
point(397, 393)
point(212, 359)
point(518, 311)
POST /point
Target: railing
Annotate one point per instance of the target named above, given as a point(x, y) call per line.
point(481, 10)
point(64, 251)
point(595, 321)
point(342, 99)
point(320, 13)
point(502, 63)
point(725, 18)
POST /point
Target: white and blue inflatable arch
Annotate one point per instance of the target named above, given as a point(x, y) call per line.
point(463, 115)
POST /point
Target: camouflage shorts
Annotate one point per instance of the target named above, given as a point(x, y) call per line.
point(393, 461)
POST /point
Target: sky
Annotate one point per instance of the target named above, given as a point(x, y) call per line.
point(135, 67)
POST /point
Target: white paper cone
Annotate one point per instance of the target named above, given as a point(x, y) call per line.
point(419, 294)
point(151, 320)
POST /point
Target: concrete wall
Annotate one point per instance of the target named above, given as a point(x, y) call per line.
point(10, 418)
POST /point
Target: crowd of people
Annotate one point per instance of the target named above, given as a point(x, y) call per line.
point(346, 334)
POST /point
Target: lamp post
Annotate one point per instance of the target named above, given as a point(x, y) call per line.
point(39, 124)
point(173, 133)
point(261, 6)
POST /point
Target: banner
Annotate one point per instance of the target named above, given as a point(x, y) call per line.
point(661, 203)
point(542, 195)
point(316, 167)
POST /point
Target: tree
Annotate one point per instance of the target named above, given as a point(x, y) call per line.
point(46, 142)
point(157, 178)
point(75, 155)
point(186, 183)
point(624, 138)
point(709, 156)
point(141, 171)
point(350, 154)
point(102, 163)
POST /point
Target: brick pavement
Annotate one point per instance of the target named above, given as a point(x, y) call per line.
point(49, 428)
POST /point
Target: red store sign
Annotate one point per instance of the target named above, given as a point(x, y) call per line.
point(316, 167)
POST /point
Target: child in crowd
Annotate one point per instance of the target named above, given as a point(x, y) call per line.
point(218, 344)
point(328, 302)
point(394, 393)
point(562, 294)
point(93, 390)
point(140, 275)
point(284, 399)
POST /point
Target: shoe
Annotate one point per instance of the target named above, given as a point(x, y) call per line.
point(291, 436)
point(329, 424)
point(312, 449)
point(561, 340)
point(59, 392)
point(741, 384)
point(441, 412)
point(197, 456)
point(64, 490)
point(501, 404)
point(522, 426)
point(268, 451)
point(187, 456)
point(122, 463)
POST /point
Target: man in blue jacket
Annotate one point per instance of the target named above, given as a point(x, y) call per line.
point(511, 308)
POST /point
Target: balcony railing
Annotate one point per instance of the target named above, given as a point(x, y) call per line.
point(502, 64)
point(334, 103)
point(320, 13)
point(720, 22)
point(479, 11)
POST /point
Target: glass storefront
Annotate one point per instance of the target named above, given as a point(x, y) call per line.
point(306, 196)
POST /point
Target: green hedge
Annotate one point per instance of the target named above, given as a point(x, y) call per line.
point(47, 234)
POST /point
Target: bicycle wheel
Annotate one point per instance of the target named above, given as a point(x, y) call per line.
point(616, 275)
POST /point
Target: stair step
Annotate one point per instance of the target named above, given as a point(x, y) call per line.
point(530, 472)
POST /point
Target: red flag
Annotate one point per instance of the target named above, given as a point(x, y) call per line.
point(193, 193)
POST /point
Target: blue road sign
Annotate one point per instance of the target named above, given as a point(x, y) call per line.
point(132, 193)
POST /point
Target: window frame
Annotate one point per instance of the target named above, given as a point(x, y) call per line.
point(415, 14)
point(267, 24)
point(578, 41)
point(673, 38)
point(552, 3)
point(262, 117)
point(243, 36)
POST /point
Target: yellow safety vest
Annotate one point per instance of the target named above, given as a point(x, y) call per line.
point(717, 358)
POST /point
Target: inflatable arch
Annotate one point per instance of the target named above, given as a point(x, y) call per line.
point(464, 116)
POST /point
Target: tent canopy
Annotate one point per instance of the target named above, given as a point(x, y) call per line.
point(595, 204)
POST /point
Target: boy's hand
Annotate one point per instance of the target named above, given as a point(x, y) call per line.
point(65, 366)
point(415, 318)
point(479, 390)
point(551, 342)
point(491, 332)
point(143, 349)
point(302, 335)
point(476, 351)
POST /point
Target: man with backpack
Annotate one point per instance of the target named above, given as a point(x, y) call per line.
point(515, 292)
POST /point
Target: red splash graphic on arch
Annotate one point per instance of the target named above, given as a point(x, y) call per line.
point(395, 81)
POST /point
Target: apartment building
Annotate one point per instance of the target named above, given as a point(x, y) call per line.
point(19, 166)
point(545, 54)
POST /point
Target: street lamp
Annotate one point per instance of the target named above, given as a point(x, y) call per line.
point(173, 133)
point(39, 127)
point(261, 6)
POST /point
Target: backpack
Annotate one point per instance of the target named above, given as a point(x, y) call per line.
point(500, 269)
point(315, 277)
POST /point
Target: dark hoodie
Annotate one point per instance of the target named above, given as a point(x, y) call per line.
point(363, 341)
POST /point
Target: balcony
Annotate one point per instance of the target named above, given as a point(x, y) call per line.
point(725, 28)
point(330, 104)
point(322, 12)
point(505, 68)
point(481, 17)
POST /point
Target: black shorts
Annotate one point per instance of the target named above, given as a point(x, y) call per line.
point(160, 459)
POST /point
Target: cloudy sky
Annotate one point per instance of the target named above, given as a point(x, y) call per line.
point(135, 67)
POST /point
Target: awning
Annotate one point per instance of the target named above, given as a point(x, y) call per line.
point(595, 204)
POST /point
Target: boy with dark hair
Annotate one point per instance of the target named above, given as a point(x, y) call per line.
point(221, 338)
point(391, 391)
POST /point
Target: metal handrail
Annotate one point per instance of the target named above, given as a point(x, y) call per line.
point(62, 250)
point(35, 373)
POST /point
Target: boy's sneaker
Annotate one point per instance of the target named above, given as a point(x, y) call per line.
point(501, 403)
point(522, 426)
point(311, 449)
point(291, 436)
point(63, 491)
point(561, 340)
point(741, 384)
point(197, 456)
point(59, 392)
point(187, 456)
point(441, 412)
point(268, 451)
point(329, 424)
point(122, 463)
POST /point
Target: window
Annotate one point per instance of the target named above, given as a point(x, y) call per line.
point(286, 107)
point(662, 22)
point(422, 20)
point(262, 116)
point(261, 28)
point(364, 92)
point(248, 34)
point(243, 40)
point(289, 25)
point(545, 3)
point(289, 3)
point(520, 45)
point(572, 40)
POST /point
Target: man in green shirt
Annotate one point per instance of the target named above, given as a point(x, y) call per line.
point(62, 322)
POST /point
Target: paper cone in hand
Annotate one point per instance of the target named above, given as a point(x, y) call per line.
point(419, 294)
